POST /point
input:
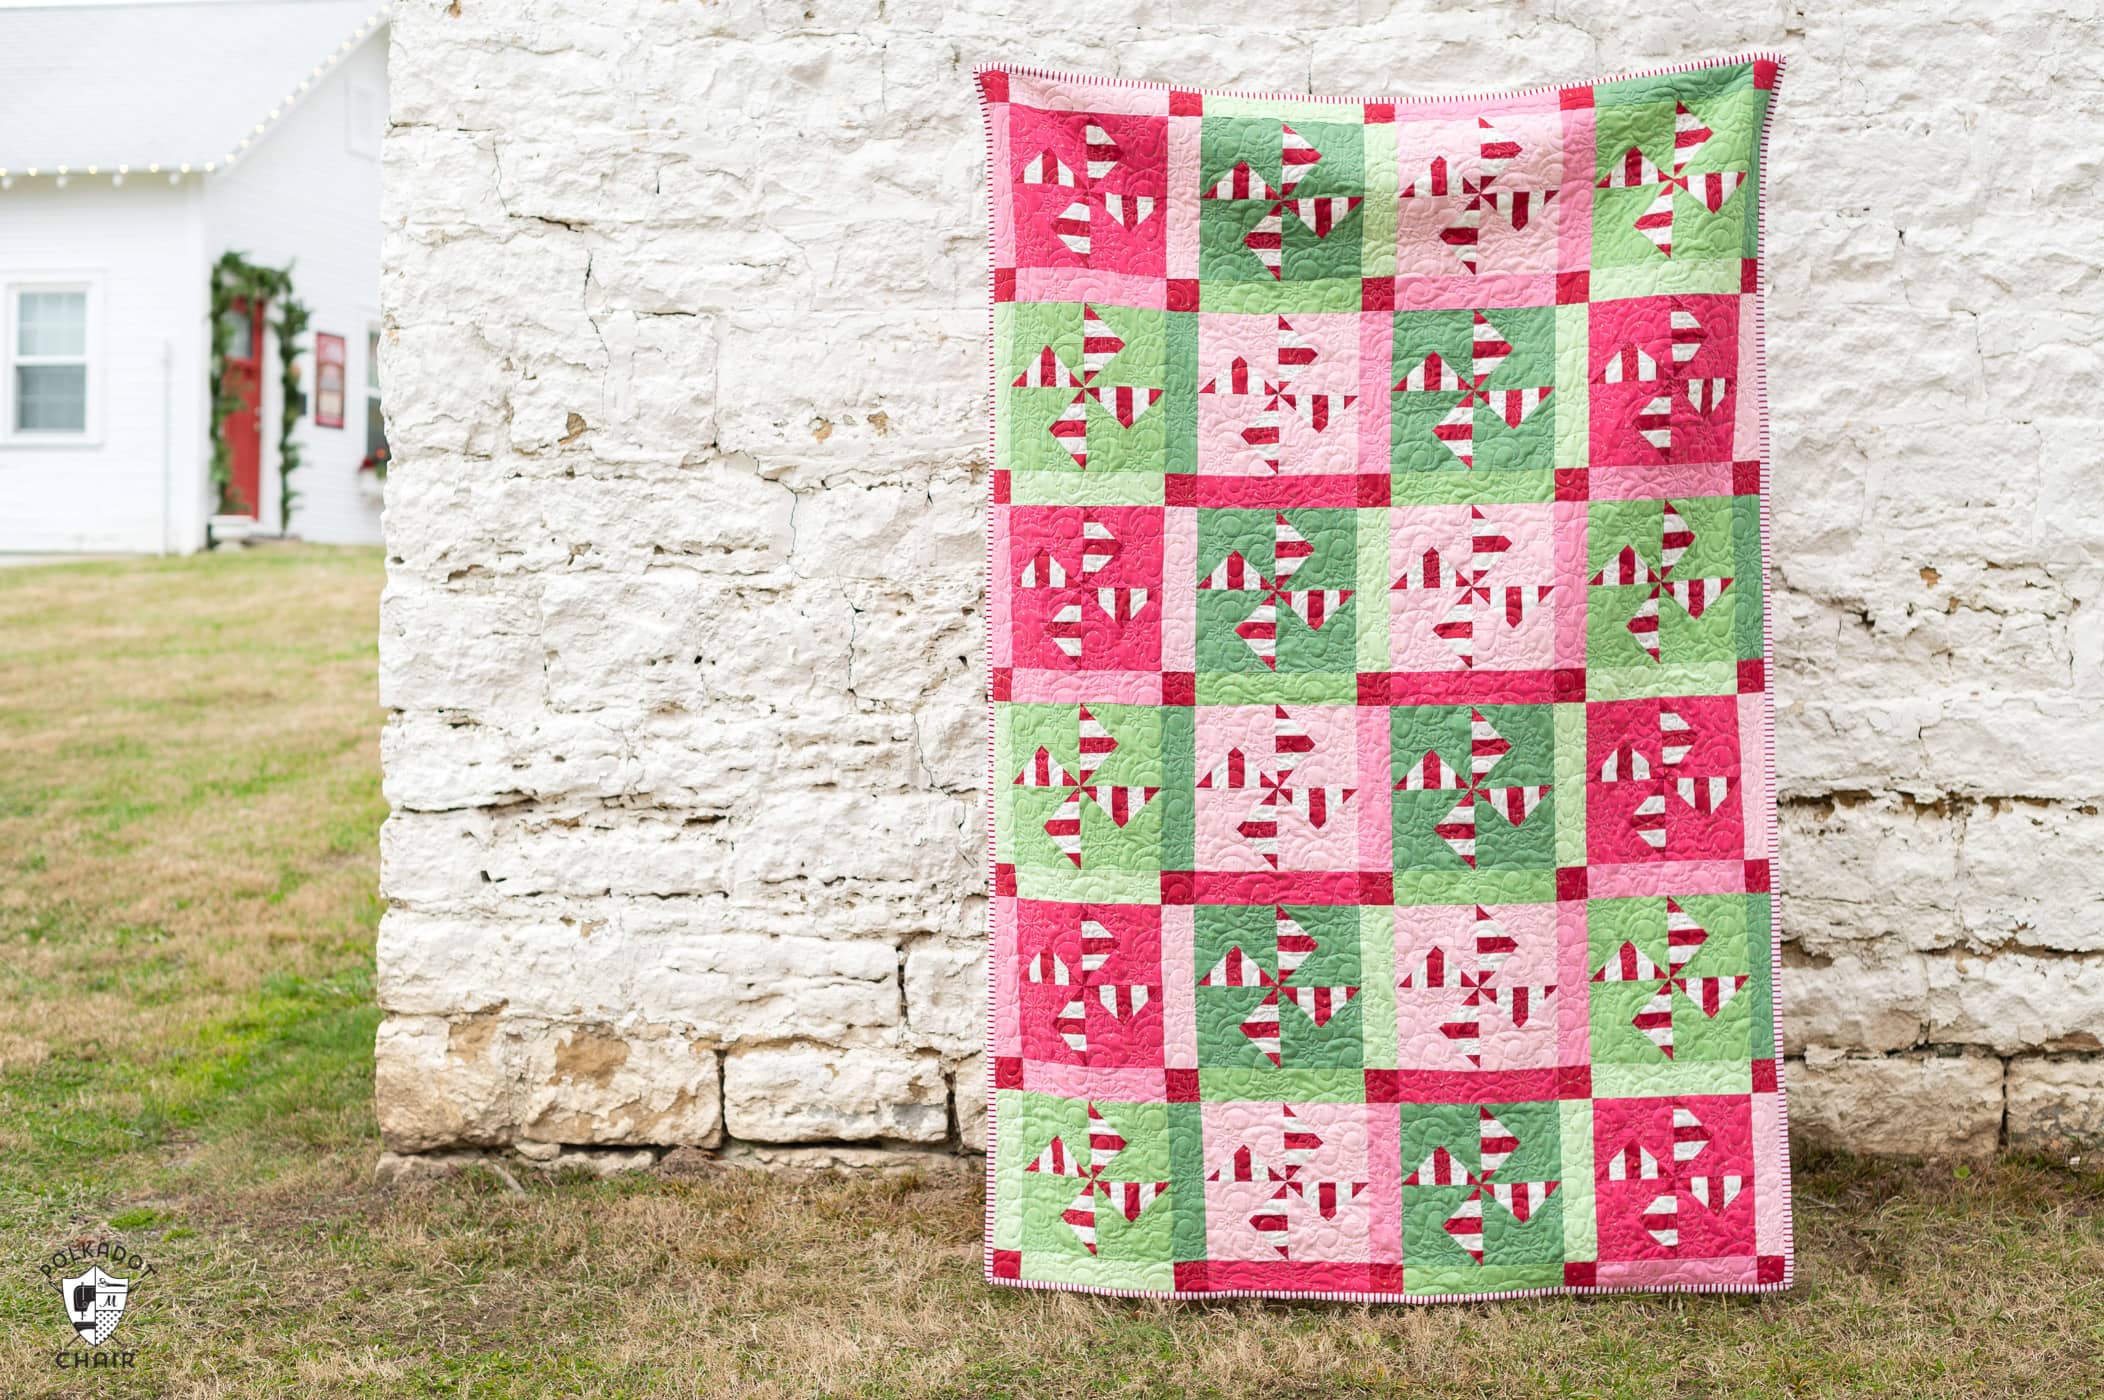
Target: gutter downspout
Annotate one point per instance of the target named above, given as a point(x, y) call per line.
point(167, 446)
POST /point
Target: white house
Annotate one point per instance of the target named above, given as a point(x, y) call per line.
point(139, 143)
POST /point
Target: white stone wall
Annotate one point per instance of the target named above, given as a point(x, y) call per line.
point(681, 642)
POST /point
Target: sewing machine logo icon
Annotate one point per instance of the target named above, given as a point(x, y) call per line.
point(94, 1303)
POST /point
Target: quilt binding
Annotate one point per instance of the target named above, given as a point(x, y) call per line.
point(1763, 443)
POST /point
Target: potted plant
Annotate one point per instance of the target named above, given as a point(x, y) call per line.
point(372, 474)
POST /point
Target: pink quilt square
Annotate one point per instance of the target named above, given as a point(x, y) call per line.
point(1480, 194)
point(1665, 780)
point(1674, 1177)
point(1089, 190)
point(1278, 787)
point(1288, 1181)
point(1664, 380)
point(1277, 394)
point(1472, 587)
point(1478, 986)
point(1089, 983)
point(1088, 587)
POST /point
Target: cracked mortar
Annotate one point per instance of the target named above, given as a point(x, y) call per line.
point(682, 637)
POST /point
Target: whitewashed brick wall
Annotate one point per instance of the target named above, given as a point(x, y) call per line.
point(681, 641)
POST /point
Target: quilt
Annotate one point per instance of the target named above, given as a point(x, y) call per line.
point(1381, 803)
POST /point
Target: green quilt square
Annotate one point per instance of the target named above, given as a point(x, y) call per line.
point(1277, 987)
point(1473, 393)
point(1276, 601)
point(1060, 806)
point(1475, 798)
point(1091, 387)
point(1282, 204)
point(1067, 1163)
point(1655, 208)
point(1675, 980)
point(1481, 1185)
point(1671, 607)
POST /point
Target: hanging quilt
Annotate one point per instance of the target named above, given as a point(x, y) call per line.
point(1382, 798)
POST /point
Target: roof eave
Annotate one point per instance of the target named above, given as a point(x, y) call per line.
point(61, 174)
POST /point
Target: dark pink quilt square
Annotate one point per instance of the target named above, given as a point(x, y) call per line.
point(1674, 1177)
point(1087, 587)
point(1089, 983)
point(1089, 190)
point(1664, 380)
point(1665, 780)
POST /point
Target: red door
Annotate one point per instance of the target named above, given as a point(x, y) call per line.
point(244, 426)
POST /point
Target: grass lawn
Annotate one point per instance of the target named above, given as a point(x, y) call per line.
point(189, 802)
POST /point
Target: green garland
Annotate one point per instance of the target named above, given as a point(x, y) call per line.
point(235, 278)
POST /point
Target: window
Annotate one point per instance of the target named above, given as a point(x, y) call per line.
point(365, 118)
point(48, 361)
point(240, 325)
point(375, 422)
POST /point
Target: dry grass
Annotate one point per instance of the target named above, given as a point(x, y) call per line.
point(189, 798)
point(186, 862)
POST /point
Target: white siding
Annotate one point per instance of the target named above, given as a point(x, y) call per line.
point(306, 196)
point(139, 245)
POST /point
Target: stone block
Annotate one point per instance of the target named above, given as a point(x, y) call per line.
point(1871, 998)
point(489, 1078)
point(946, 993)
point(1916, 1105)
point(621, 962)
point(971, 1103)
point(806, 1092)
point(2056, 1105)
point(2012, 1001)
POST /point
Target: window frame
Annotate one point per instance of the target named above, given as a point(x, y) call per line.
point(12, 286)
point(375, 392)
